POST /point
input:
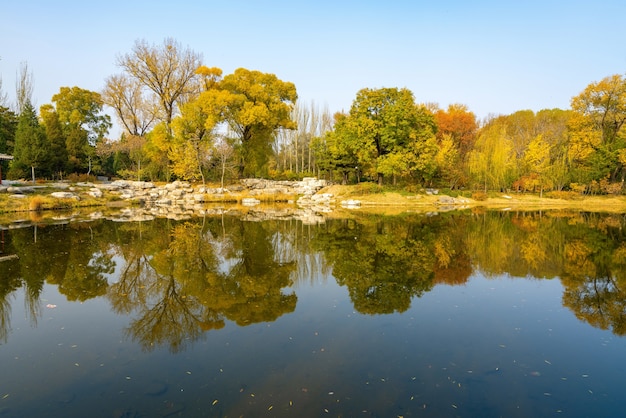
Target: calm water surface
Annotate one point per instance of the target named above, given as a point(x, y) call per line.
point(469, 314)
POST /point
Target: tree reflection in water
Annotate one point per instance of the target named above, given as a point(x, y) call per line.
point(178, 280)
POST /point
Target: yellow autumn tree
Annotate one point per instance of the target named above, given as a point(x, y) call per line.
point(537, 159)
point(491, 162)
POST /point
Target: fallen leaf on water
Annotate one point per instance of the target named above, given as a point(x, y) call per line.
point(51, 306)
point(270, 408)
point(5, 396)
point(214, 402)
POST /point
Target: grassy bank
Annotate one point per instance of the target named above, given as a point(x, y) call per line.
point(385, 200)
point(372, 198)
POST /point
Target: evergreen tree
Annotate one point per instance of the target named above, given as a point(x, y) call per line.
point(31, 145)
point(56, 163)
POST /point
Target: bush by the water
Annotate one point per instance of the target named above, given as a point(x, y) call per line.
point(479, 196)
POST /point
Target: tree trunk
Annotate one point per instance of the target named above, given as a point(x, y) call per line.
point(32, 170)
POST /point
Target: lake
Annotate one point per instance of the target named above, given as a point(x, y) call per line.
point(469, 314)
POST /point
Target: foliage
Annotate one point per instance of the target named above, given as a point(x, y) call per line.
point(8, 125)
point(57, 157)
point(30, 142)
point(491, 162)
point(84, 123)
point(387, 134)
point(254, 105)
point(458, 124)
point(181, 119)
point(479, 196)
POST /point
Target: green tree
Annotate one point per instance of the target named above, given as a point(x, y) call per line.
point(85, 124)
point(333, 152)
point(254, 105)
point(387, 120)
point(56, 140)
point(31, 145)
point(8, 125)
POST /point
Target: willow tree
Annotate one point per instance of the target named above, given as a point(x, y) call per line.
point(254, 105)
point(492, 161)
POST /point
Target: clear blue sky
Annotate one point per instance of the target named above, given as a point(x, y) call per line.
point(493, 56)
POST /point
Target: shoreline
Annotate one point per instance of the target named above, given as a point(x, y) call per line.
point(37, 206)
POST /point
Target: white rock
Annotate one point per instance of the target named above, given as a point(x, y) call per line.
point(62, 195)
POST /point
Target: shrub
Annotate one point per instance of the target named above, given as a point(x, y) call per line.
point(36, 203)
point(81, 178)
point(367, 188)
point(563, 194)
point(479, 196)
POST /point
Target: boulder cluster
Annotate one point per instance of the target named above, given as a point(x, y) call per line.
point(182, 200)
point(184, 194)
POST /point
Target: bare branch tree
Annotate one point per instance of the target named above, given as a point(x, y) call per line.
point(24, 87)
point(167, 70)
point(134, 111)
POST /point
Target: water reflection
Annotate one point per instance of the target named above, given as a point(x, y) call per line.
point(178, 280)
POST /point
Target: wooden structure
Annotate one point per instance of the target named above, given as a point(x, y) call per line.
point(4, 157)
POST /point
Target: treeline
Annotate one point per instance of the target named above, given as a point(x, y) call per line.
point(183, 120)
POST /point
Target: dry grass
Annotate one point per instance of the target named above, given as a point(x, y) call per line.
point(395, 202)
